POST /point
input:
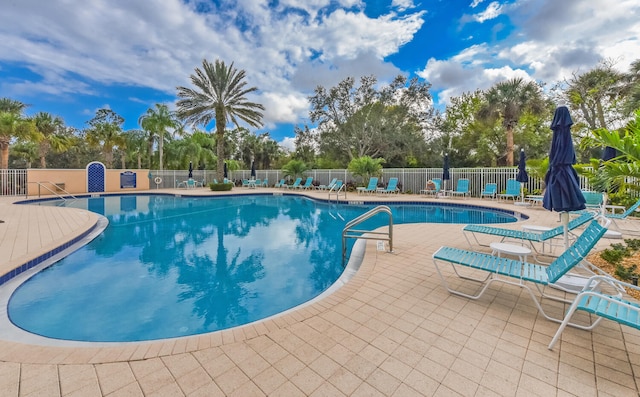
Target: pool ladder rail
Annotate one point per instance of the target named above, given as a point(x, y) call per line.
point(350, 232)
point(341, 190)
point(58, 188)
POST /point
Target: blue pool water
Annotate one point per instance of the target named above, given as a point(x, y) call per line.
point(172, 266)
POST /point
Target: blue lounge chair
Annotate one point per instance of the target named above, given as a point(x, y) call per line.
point(245, 183)
point(329, 186)
point(295, 185)
point(611, 306)
point(593, 200)
point(615, 217)
point(433, 187)
point(512, 192)
point(462, 189)
point(371, 188)
point(490, 189)
point(392, 187)
point(282, 183)
point(265, 183)
point(336, 186)
point(520, 235)
point(516, 272)
point(308, 184)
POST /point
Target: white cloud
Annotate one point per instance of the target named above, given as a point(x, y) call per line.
point(475, 3)
point(288, 144)
point(402, 5)
point(158, 44)
point(549, 42)
point(493, 11)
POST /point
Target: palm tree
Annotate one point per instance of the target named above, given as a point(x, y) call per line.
point(105, 132)
point(12, 124)
point(156, 122)
point(366, 167)
point(27, 150)
point(509, 100)
point(219, 95)
point(295, 168)
point(626, 140)
point(51, 135)
point(136, 142)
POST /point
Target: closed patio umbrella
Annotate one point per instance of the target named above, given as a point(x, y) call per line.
point(225, 170)
point(253, 169)
point(445, 172)
point(190, 170)
point(522, 176)
point(563, 192)
point(609, 153)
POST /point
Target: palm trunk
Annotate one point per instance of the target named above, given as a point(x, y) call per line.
point(220, 119)
point(4, 154)
point(509, 154)
point(43, 149)
point(150, 150)
point(161, 149)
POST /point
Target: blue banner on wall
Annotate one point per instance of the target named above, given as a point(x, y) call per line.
point(127, 180)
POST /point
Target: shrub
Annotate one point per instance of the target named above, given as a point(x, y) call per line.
point(221, 187)
point(617, 253)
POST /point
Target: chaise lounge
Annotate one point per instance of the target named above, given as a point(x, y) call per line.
point(518, 273)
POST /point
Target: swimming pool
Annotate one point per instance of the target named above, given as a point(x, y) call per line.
point(173, 266)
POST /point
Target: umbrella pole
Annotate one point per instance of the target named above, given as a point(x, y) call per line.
point(564, 216)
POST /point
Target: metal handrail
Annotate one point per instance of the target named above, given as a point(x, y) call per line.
point(337, 192)
point(42, 185)
point(367, 234)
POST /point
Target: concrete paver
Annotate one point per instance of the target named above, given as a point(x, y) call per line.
point(393, 330)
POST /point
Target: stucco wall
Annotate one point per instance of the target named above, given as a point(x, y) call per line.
point(75, 181)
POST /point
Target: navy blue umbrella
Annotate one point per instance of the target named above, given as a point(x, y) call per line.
point(225, 170)
point(609, 153)
point(562, 193)
point(445, 172)
point(253, 169)
point(190, 170)
point(522, 176)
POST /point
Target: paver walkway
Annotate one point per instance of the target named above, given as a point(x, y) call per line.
point(391, 331)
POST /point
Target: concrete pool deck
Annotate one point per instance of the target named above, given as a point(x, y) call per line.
point(393, 330)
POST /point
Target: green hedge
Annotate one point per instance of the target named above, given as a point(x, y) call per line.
point(221, 187)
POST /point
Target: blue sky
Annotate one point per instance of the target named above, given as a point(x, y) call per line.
point(70, 59)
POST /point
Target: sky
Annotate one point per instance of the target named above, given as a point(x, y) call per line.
point(72, 58)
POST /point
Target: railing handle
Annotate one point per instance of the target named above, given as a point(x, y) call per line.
point(362, 218)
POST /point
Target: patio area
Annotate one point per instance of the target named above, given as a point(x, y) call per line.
point(392, 330)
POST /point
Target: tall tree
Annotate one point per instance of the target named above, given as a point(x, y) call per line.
point(508, 101)
point(632, 101)
point(13, 124)
point(157, 122)
point(136, 141)
point(105, 132)
point(25, 150)
point(220, 95)
point(51, 135)
point(358, 121)
point(305, 145)
point(597, 93)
